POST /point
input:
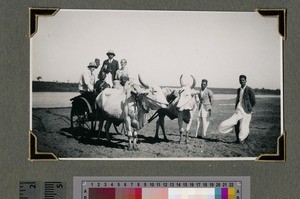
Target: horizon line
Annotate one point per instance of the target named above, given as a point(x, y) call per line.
point(263, 88)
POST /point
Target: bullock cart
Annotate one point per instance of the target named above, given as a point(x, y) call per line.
point(83, 113)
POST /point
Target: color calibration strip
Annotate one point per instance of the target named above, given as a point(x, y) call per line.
point(161, 193)
point(161, 187)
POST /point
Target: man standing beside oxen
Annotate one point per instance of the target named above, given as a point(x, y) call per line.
point(245, 102)
point(205, 99)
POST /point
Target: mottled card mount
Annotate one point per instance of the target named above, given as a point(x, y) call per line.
point(34, 154)
point(281, 15)
point(280, 156)
point(34, 13)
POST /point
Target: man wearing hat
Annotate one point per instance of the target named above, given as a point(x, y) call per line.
point(87, 79)
point(206, 100)
point(110, 65)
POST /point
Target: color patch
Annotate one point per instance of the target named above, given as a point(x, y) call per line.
point(102, 193)
point(218, 193)
point(231, 193)
point(155, 193)
point(191, 193)
point(206, 193)
point(224, 193)
point(128, 193)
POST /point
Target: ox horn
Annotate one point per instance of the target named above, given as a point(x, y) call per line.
point(142, 83)
point(180, 80)
point(194, 82)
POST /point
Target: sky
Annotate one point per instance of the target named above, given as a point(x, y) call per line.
point(161, 45)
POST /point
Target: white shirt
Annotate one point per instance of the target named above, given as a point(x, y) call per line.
point(120, 72)
point(242, 93)
point(239, 106)
point(202, 93)
point(87, 81)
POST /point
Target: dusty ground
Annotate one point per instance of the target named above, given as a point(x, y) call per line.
point(52, 127)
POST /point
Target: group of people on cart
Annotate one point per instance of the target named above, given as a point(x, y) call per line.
point(110, 75)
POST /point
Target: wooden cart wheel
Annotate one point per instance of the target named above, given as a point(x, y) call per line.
point(81, 117)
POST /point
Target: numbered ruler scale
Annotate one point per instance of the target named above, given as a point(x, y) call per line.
point(34, 190)
point(28, 190)
point(55, 190)
point(161, 189)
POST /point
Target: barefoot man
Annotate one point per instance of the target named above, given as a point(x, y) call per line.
point(205, 104)
point(245, 102)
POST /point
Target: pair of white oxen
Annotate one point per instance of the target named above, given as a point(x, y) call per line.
point(130, 106)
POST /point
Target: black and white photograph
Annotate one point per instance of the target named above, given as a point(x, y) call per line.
point(157, 85)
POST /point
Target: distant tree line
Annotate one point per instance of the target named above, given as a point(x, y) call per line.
point(41, 86)
point(257, 91)
point(267, 91)
point(234, 90)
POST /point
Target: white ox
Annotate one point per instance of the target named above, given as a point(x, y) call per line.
point(182, 104)
point(129, 106)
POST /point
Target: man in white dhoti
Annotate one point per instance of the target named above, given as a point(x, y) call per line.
point(205, 98)
point(245, 102)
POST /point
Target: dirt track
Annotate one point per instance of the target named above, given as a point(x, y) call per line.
point(52, 127)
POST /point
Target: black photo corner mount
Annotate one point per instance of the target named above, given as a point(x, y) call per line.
point(281, 14)
point(34, 13)
point(34, 154)
point(280, 156)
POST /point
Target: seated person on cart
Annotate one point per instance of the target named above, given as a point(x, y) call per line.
point(87, 79)
point(123, 82)
point(127, 85)
point(101, 84)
